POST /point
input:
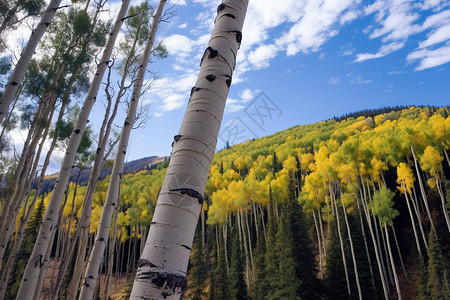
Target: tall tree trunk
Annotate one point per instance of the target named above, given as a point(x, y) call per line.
point(441, 194)
point(374, 242)
point(397, 285)
point(320, 244)
point(92, 269)
point(355, 265)
point(112, 246)
point(36, 262)
point(344, 260)
point(19, 71)
point(163, 265)
point(412, 220)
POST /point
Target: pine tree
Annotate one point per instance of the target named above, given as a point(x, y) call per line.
point(334, 281)
point(422, 279)
point(197, 271)
point(221, 279)
point(271, 256)
point(26, 248)
point(238, 287)
point(438, 286)
point(259, 287)
point(287, 285)
point(310, 285)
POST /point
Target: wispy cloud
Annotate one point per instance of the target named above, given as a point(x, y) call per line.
point(383, 51)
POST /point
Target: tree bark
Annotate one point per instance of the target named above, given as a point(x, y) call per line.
point(347, 280)
point(397, 285)
point(374, 242)
point(92, 269)
point(19, 71)
point(163, 265)
point(36, 262)
point(355, 266)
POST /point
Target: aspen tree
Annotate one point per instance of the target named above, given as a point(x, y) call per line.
point(19, 71)
point(163, 265)
point(45, 236)
point(95, 259)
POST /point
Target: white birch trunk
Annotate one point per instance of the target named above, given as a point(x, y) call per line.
point(320, 244)
point(372, 235)
point(163, 265)
point(95, 259)
point(36, 262)
point(19, 71)
point(355, 266)
point(397, 285)
point(347, 280)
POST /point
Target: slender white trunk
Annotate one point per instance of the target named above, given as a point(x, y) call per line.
point(320, 244)
point(397, 285)
point(377, 255)
point(412, 220)
point(163, 265)
point(441, 193)
point(19, 71)
point(355, 266)
point(36, 262)
point(93, 266)
point(347, 280)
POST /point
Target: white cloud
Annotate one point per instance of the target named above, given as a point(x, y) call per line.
point(334, 81)
point(178, 2)
point(383, 51)
point(317, 25)
point(440, 35)
point(172, 102)
point(261, 56)
point(179, 45)
point(430, 58)
point(182, 26)
point(247, 95)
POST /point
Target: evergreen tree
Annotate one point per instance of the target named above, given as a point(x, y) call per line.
point(310, 285)
point(333, 279)
point(287, 285)
point(221, 281)
point(26, 248)
point(438, 285)
point(422, 279)
point(197, 271)
point(259, 286)
point(272, 256)
point(238, 287)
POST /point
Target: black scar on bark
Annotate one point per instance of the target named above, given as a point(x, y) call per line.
point(145, 262)
point(77, 131)
point(238, 35)
point(177, 137)
point(168, 281)
point(126, 123)
point(187, 247)
point(14, 83)
point(166, 294)
point(210, 77)
point(230, 16)
point(191, 193)
point(195, 89)
point(221, 7)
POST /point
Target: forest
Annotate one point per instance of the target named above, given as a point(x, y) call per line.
point(353, 207)
point(348, 208)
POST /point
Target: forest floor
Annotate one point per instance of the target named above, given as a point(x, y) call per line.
point(119, 283)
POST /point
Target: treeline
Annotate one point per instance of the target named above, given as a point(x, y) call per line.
point(383, 110)
point(350, 209)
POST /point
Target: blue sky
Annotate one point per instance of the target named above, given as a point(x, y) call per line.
point(301, 61)
point(312, 60)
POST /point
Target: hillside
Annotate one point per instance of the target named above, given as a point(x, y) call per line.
point(326, 210)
